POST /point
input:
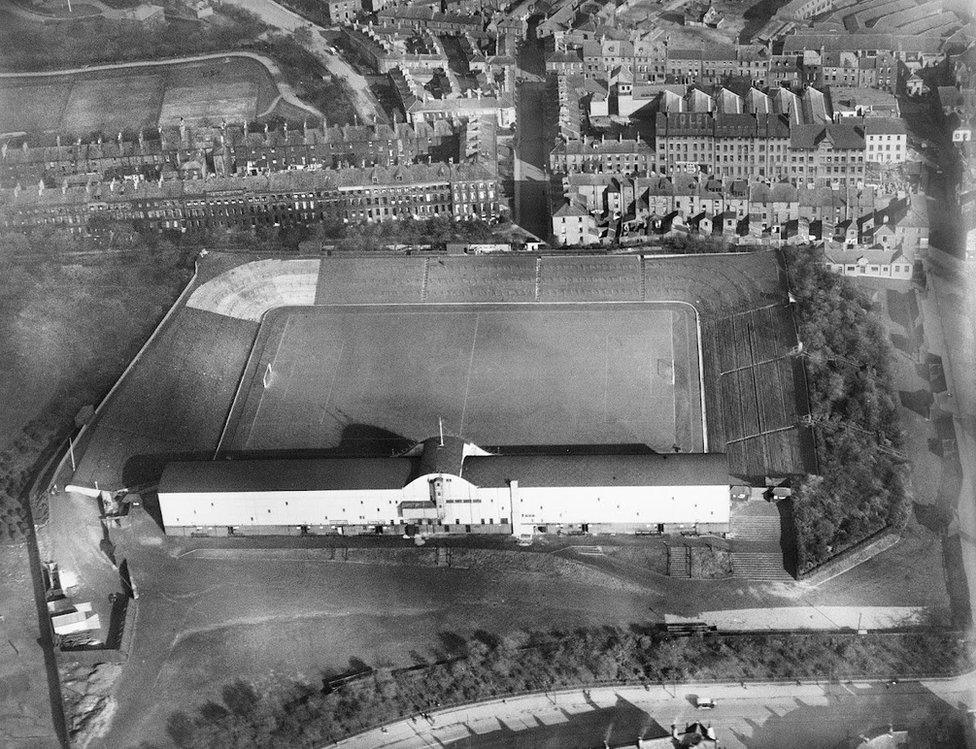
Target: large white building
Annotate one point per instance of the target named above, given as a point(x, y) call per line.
point(449, 486)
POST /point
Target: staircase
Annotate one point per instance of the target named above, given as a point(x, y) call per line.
point(756, 529)
point(759, 565)
point(643, 278)
point(423, 288)
point(443, 556)
point(679, 561)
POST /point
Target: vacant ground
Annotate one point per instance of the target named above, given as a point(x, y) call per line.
point(147, 96)
point(25, 708)
point(498, 375)
point(67, 330)
point(209, 608)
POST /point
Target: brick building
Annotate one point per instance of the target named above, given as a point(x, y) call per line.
point(290, 198)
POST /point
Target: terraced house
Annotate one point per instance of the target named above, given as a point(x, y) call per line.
point(194, 153)
point(352, 195)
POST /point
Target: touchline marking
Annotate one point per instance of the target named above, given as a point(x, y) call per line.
point(467, 383)
point(332, 382)
point(263, 393)
point(543, 305)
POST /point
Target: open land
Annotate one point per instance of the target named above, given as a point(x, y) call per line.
point(141, 96)
point(497, 375)
point(25, 707)
point(67, 330)
point(276, 610)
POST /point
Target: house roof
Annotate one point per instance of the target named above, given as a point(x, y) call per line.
point(571, 209)
point(884, 126)
point(843, 135)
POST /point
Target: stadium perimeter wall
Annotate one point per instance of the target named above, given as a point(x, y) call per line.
point(226, 285)
point(752, 391)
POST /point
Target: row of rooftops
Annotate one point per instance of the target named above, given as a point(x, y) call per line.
point(842, 41)
point(451, 457)
point(414, 97)
point(594, 48)
point(802, 136)
point(425, 15)
point(810, 106)
point(754, 191)
point(285, 183)
point(34, 148)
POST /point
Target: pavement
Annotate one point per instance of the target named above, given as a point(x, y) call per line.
point(952, 284)
point(287, 20)
point(810, 715)
point(808, 617)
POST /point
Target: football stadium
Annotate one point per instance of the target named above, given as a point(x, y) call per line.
point(462, 394)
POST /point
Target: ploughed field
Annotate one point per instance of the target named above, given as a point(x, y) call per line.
point(146, 96)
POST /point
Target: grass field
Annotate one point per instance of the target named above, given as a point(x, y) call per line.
point(146, 96)
point(359, 378)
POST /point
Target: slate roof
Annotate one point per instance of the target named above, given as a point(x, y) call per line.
point(884, 126)
point(530, 470)
point(321, 474)
point(665, 469)
point(843, 135)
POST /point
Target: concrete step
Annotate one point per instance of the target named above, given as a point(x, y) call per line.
point(679, 561)
point(759, 565)
point(755, 527)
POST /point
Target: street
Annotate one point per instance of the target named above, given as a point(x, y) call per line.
point(532, 209)
point(746, 715)
point(951, 284)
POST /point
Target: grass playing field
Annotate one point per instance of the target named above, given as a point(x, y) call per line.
point(370, 378)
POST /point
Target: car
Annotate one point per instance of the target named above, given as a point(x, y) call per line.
point(525, 539)
point(705, 703)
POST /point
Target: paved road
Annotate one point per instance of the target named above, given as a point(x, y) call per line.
point(286, 20)
point(808, 715)
point(952, 284)
point(532, 210)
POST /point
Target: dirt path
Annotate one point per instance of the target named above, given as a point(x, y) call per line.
point(286, 20)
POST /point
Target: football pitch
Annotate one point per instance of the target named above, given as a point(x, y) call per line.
point(369, 379)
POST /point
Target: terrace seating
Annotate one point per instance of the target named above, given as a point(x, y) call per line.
point(248, 291)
